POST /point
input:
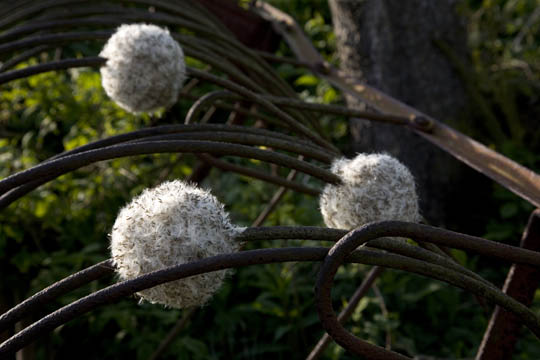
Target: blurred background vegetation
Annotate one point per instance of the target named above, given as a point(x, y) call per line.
point(263, 311)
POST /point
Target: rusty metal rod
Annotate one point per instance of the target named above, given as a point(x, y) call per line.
point(339, 252)
point(347, 312)
point(277, 180)
point(250, 234)
point(51, 66)
point(521, 283)
point(66, 164)
point(244, 258)
point(57, 289)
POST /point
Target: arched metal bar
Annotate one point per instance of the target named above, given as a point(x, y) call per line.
point(246, 139)
point(290, 121)
point(51, 39)
point(346, 245)
point(348, 311)
point(14, 194)
point(183, 128)
point(69, 163)
point(273, 179)
point(25, 55)
point(103, 268)
point(244, 258)
point(350, 112)
point(57, 289)
point(250, 234)
point(230, 48)
point(51, 66)
point(205, 101)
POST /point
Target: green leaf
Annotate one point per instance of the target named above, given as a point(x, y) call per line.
point(307, 80)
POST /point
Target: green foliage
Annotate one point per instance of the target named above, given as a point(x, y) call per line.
point(263, 311)
point(503, 80)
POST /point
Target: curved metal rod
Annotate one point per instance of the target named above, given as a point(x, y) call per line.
point(190, 45)
point(244, 258)
point(205, 101)
point(134, 15)
point(103, 268)
point(245, 72)
point(34, 8)
point(121, 15)
point(91, 273)
point(227, 69)
point(418, 123)
point(347, 312)
point(273, 58)
point(401, 247)
point(12, 195)
point(122, 289)
point(51, 66)
point(221, 63)
point(57, 289)
point(25, 55)
point(79, 11)
point(397, 246)
point(9, 8)
point(241, 110)
point(246, 139)
point(214, 96)
point(48, 39)
point(273, 179)
point(69, 163)
point(183, 128)
point(95, 61)
point(418, 232)
point(73, 11)
point(339, 252)
point(207, 28)
point(230, 50)
point(211, 98)
point(188, 11)
point(35, 26)
point(254, 93)
point(257, 98)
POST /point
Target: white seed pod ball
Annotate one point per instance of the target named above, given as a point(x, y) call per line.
point(145, 68)
point(375, 187)
point(171, 224)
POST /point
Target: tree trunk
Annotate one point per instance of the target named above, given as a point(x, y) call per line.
point(391, 45)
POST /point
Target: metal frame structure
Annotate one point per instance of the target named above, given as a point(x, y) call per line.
point(249, 87)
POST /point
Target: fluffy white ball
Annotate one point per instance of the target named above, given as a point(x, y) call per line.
point(145, 68)
point(171, 224)
point(375, 187)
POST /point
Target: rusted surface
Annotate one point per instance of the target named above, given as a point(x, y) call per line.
point(343, 251)
point(521, 283)
point(59, 288)
point(348, 311)
point(291, 32)
point(360, 236)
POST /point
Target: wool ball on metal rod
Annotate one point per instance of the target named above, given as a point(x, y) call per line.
point(171, 224)
point(145, 68)
point(375, 187)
